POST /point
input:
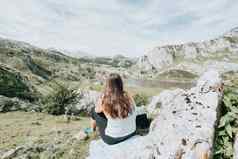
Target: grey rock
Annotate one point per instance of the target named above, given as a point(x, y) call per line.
point(164, 98)
point(15, 104)
point(11, 153)
point(80, 136)
point(87, 101)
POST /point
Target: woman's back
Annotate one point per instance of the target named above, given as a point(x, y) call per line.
point(120, 127)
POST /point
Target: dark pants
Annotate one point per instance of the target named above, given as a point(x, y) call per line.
point(101, 122)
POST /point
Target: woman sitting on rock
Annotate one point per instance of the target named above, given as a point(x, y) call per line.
point(115, 114)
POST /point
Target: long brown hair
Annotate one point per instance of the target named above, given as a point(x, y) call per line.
point(115, 101)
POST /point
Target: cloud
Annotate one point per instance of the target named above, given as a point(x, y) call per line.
point(129, 27)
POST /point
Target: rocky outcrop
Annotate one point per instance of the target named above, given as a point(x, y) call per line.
point(15, 104)
point(158, 58)
point(162, 57)
point(183, 127)
point(88, 100)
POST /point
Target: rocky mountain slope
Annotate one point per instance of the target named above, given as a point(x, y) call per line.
point(42, 66)
point(193, 57)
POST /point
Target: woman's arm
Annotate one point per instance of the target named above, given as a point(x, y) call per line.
point(98, 108)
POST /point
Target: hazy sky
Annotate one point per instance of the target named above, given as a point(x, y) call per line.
point(108, 27)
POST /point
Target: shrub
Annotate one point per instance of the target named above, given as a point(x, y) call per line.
point(228, 126)
point(141, 99)
point(58, 102)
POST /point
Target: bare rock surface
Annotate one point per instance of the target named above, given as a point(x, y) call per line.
point(183, 127)
point(87, 101)
point(223, 48)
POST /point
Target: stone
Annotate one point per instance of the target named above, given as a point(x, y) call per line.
point(11, 153)
point(80, 136)
point(181, 129)
point(15, 104)
point(87, 101)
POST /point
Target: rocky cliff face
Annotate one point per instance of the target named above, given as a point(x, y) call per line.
point(222, 48)
point(183, 128)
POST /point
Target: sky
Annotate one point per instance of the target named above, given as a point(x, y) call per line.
point(111, 27)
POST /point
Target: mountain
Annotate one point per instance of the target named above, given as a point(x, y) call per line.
point(41, 66)
point(75, 54)
point(223, 48)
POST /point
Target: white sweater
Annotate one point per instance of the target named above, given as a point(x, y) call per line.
point(121, 127)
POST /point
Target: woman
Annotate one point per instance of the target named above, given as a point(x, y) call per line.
point(115, 114)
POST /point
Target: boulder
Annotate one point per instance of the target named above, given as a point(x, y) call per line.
point(87, 101)
point(183, 127)
point(80, 136)
point(11, 154)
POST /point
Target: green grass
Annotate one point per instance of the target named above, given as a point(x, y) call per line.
point(178, 75)
point(18, 128)
point(147, 91)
